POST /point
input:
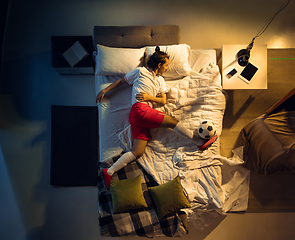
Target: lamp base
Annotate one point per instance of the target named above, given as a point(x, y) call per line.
point(243, 57)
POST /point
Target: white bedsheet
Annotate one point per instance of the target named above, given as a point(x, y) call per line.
point(213, 183)
point(114, 109)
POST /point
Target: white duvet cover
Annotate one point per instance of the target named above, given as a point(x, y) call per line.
point(190, 100)
point(211, 181)
point(114, 109)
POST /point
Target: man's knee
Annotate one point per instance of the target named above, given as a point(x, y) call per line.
point(169, 121)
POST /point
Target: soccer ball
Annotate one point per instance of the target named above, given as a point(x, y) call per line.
point(206, 130)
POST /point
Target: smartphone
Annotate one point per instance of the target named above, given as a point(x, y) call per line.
point(248, 73)
point(231, 73)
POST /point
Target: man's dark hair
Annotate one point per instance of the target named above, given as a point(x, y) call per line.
point(157, 57)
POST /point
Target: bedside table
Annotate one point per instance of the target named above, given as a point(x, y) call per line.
point(258, 57)
point(60, 44)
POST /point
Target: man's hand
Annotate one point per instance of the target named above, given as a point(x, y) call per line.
point(100, 96)
point(142, 97)
point(116, 84)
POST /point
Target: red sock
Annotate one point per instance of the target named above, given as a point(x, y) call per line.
point(107, 177)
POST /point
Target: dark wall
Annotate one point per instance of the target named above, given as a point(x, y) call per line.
point(3, 15)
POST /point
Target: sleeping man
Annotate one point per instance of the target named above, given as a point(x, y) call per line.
point(147, 86)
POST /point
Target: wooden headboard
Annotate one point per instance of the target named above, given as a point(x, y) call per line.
point(136, 36)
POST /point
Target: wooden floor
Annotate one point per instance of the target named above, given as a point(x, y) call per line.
point(267, 193)
point(241, 108)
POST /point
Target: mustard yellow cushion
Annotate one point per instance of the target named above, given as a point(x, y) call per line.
point(127, 194)
point(169, 197)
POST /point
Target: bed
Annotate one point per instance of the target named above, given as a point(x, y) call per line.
point(211, 184)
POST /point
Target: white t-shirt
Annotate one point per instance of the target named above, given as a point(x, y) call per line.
point(145, 80)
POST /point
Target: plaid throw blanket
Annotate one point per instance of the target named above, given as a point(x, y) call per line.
point(142, 222)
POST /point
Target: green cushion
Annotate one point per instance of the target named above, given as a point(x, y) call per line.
point(169, 197)
point(127, 194)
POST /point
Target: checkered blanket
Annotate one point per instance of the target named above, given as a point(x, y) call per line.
point(143, 222)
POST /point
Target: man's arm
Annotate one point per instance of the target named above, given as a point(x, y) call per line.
point(144, 97)
point(116, 84)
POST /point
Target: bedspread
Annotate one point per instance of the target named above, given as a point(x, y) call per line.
point(142, 222)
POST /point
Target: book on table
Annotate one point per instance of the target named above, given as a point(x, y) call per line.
point(75, 54)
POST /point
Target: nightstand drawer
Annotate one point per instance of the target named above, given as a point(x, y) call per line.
point(75, 71)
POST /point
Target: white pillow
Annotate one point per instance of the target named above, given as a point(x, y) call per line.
point(116, 61)
point(178, 59)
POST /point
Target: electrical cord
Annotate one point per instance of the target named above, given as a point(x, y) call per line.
point(267, 24)
point(244, 54)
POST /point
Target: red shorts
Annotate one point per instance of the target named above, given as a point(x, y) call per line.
point(142, 117)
